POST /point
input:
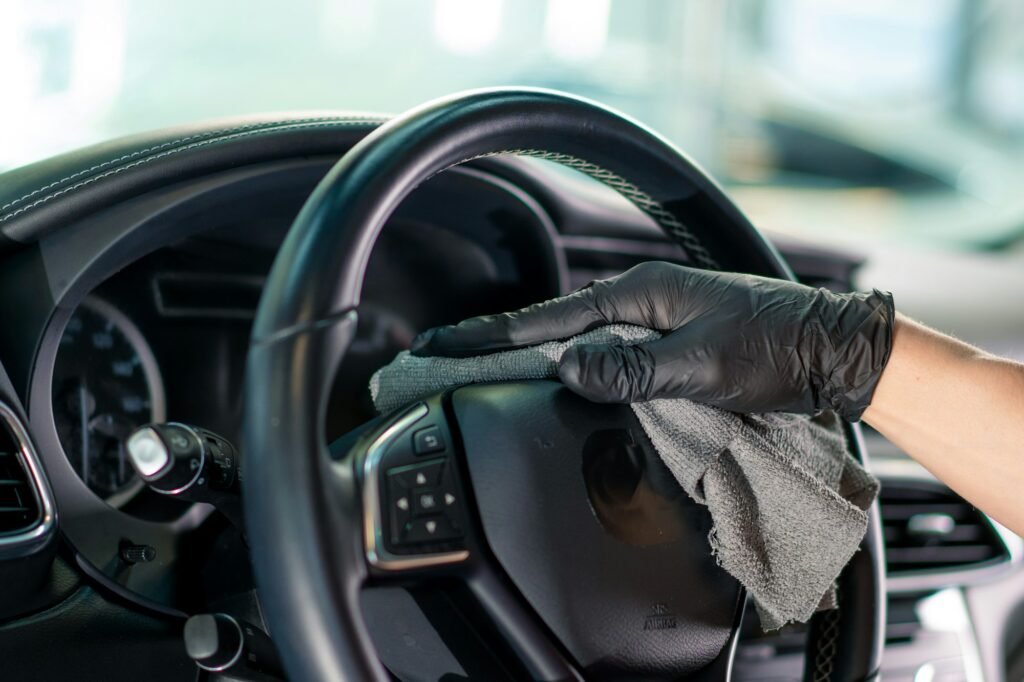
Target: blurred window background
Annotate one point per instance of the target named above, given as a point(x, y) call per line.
point(878, 120)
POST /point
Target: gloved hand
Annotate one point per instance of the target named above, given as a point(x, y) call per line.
point(739, 342)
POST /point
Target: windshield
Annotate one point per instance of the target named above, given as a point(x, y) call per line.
point(866, 120)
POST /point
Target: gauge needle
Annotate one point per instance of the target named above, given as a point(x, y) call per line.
point(83, 413)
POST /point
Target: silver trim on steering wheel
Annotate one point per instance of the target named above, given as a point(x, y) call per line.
point(373, 536)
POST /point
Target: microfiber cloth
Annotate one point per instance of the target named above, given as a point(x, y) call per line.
point(787, 500)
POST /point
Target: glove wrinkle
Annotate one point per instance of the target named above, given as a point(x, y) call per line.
point(610, 373)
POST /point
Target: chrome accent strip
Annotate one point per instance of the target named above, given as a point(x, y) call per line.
point(26, 453)
point(373, 536)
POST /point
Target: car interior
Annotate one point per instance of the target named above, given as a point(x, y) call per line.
point(235, 282)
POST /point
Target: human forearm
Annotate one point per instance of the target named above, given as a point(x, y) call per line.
point(960, 413)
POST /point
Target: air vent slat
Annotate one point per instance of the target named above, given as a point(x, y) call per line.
point(20, 510)
point(909, 509)
point(960, 533)
point(930, 528)
point(962, 554)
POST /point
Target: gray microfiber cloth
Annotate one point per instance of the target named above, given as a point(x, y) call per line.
point(788, 501)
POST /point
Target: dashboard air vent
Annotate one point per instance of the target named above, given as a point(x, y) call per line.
point(934, 529)
point(26, 513)
point(19, 509)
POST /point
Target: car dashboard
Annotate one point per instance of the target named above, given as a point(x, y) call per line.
point(141, 312)
point(168, 333)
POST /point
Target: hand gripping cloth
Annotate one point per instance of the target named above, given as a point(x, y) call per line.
point(787, 500)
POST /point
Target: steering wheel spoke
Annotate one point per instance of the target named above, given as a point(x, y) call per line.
point(419, 526)
point(525, 637)
point(415, 516)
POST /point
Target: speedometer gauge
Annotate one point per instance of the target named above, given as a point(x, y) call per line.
point(105, 384)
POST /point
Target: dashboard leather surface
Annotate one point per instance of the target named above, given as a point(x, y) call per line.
point(37, 198)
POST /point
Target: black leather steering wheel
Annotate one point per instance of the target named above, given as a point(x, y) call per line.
point(536, 485)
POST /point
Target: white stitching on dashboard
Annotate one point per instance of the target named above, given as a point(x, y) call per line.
point(233, 133)
point(644, 201)
point(180, 140)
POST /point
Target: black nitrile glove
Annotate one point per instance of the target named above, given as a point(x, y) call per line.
point(740, 342)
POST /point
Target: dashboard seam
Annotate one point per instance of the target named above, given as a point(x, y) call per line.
point(205, 139)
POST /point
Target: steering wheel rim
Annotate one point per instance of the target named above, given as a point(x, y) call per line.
point(296, 500)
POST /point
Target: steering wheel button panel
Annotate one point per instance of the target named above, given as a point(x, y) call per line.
point(422, 509)
point(412, 503)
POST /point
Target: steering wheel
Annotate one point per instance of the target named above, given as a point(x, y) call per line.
point(575, 543)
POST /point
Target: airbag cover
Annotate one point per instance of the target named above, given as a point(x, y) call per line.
point(592, 529)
